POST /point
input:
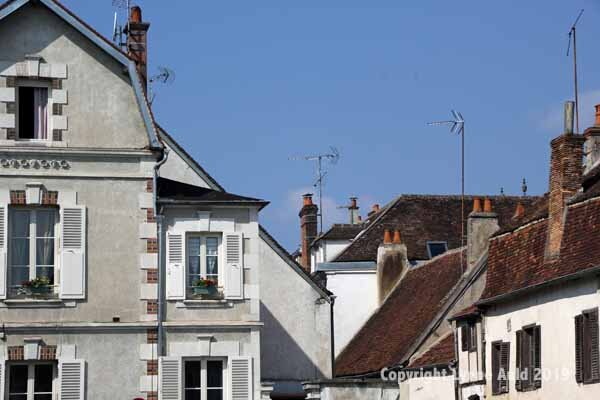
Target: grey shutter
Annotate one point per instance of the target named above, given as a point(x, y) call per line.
point(72, 379)
point(496, 347)
point(592, 333)
point(169, 371)
point(504, 366)
point(234, 265)
point(536, 376)
point(464, 339)
point(3, 251)
point(73, 245)
point(175, 279)
point(579, 348)
point(240, 378)
point(518, 361)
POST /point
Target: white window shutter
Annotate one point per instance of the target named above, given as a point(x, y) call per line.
point(169, 372)
point(240, 378)
point(72, 379)
point(3, 250)
point(175, 285)
point(234, 265)
point(72, 252)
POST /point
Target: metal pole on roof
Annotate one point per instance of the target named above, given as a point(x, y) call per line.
point(573, 37)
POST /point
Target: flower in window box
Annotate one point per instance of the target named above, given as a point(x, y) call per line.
point(36, 287)
point(205, 287)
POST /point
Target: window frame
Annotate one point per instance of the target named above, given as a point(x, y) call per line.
point(587, 347)
point(34, 83)
point(469, 336)
point(203, 375)
point(526, 357)
point(203, 259)
point(434, 242)
point(33, 212)
point(31, 378)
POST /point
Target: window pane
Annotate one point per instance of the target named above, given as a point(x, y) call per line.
point(212, 266)
point(17, 397)
point(45, 252)
point(45, 223)
point(18, 379)
point(194, 266)
point(212, 246)
point(47, 272)
point(192, 374)
point(19, 224)
point(19, 252)
point(47, 396)
point(214, 394)
point(18, 275)
point(26, 112)
point(43, 378)
point(214, 374)
point(192, 394)
point(194, 246)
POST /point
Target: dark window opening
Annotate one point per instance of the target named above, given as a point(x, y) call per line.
point(469, 336)
point(500, 367)
point(436, 248)
point(587, 359)
point(529, 364)
point(32, 113)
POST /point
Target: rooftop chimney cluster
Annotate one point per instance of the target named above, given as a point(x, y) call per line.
point(392, 263)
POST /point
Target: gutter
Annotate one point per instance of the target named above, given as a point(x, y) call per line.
point(158, 215)
point(332, 335)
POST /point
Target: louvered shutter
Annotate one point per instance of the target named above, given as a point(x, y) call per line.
point(169, 371)
point(72, 379)
point(504, 366)
point(518, 361)
point(579, 348)
point(496, 347)
point(3, 250)
point(73, 245)
point(537, 357)
point(234, 265)
point(592, 330)
point(464, 339)
point(240, 378)
point(175, 285)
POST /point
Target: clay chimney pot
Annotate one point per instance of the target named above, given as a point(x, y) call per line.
point(477, 205)
point(375, 207)
point(387, 237)
point(397, 238)
point(307, 199)
point(597, 122)
point(520, 211)
point(487, 205)
point(136, 14)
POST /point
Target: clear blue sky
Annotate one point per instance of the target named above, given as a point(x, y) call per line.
point(260, 81)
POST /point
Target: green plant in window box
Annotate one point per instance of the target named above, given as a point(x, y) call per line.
point(206, 288)
point(36, 287)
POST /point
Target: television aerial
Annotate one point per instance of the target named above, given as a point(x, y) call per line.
point(120, 31)
point(165, 76)
point(332, 157)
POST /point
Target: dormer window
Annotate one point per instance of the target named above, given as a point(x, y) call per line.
point(436, 248)
point(32, 112)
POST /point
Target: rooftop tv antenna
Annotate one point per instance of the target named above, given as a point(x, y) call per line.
point(165, 76)
point(573, 38)
point(119, 31)
point(457, 125)
point(332, 157)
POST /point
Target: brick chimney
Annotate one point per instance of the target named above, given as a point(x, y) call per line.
point(481, 225)
point(353, 209)
point(137, 43)
point(308, 229)
point(392, 264)
point(592, 142)
point(565, 179)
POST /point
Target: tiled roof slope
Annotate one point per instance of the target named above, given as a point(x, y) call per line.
point(441, 353)
point(389, 333)
point(423, 218)
point(516, 260)
point(168, 188)
point(341, 232)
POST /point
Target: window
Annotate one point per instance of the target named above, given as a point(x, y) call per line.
point(587, 363)
point(32, 113)
point(203, 260)
point(500, 367)
point(31, 381)
point(468, 336)
point(203, 379)
point(436, 248)
point(529, 368)
point(32, 251)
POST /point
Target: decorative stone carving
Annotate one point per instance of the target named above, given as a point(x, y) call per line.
point(34, 164)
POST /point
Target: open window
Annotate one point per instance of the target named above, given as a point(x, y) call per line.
point(33, 108)
point(203, 379)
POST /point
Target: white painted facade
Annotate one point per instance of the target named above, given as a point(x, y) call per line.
point(428, 388)
point(326, 250)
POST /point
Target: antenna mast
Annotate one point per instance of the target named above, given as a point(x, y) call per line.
point(573, 37)
point(333, 156)
point(457, 125)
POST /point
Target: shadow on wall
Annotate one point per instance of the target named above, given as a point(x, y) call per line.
point(282, 358)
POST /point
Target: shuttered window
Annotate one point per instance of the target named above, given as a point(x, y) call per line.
point(500, 367)
point(529, 358)
point(468, 335)
point(587, 367)
point(72, 379)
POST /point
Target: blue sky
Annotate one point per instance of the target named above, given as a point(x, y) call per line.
point(261, 81)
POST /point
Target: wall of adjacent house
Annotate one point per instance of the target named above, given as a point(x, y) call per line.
point(354, 390)
point(470, 363)
point(326, 250)
point(295, 339)
point(178, 169)
point(99, 108)
point(428, 388)
point(554, 309)
point(356, 300)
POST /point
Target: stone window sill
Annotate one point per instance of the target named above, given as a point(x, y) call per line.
point(37, 303)
point(204, 304)
point(31, 143)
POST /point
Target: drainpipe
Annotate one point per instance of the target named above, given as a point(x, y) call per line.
point(158, 215)
point(332, 332)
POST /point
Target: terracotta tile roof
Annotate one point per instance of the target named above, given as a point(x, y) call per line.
point(516, 260)
point(439, 354)
point(385, 338)
point(423, 218)
point(470, 311)
point(341, 232)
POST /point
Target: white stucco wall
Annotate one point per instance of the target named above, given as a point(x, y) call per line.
point(327, 250)
point(428, 388)
point(554, 309)
point(356, 299)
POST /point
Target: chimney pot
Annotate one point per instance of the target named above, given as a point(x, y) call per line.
point(569, 117)
point(353, 202)
point(476, 205)
point(397, 238)
point(597, 122)
point(375, 208)
point(387, 237)
point(520, 211)
point(487, 205)
point(136, 14)
point(307, 199)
